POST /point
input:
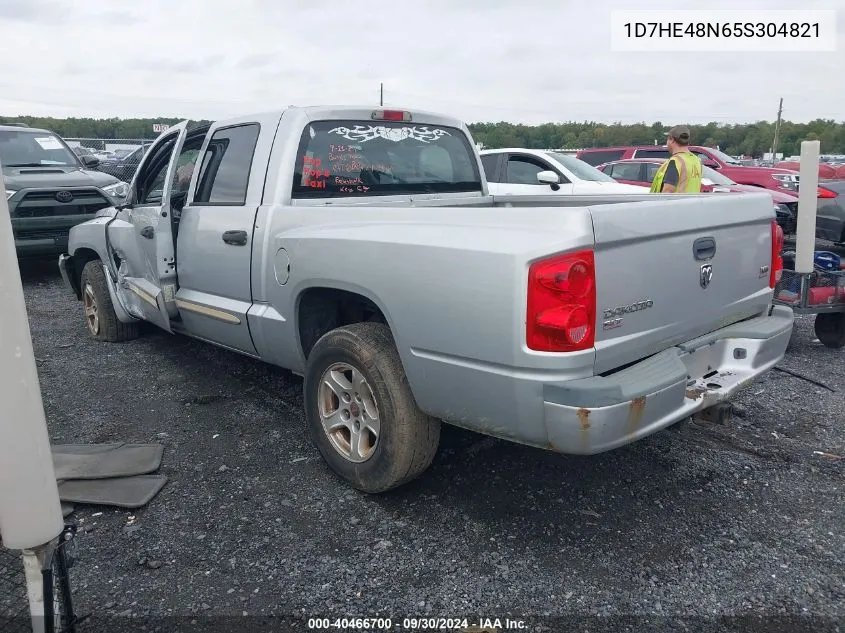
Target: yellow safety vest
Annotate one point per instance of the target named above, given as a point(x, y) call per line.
point(689, 173)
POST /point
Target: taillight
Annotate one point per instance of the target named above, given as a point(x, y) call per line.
point(562, 303)
point(826, 193)
point(776, 271)
point(391, 115)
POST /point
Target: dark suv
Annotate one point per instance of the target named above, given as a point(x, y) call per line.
point(123, 163)
point(50, 189)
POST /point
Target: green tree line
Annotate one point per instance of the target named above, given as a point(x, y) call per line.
point(94, 128)
point(752, 139)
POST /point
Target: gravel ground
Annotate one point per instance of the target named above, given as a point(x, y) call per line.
point(704, 520)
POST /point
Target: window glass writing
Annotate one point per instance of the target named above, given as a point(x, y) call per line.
point(350, 158)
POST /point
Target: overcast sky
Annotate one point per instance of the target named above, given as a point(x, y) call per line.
point(528, 61)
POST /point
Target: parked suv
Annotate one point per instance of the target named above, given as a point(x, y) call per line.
point(123, 163)
point(784, 180)
point(50, 189)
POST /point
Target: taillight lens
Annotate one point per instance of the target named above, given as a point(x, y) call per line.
point(826, 193)
point(776, 271)
point(562, 303)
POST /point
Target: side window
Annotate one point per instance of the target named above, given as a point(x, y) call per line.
point(523, 170)
point(225, 169)
point(150, 188)
point(184, 170)
point(489, 162)
point(651, 171)
point(704, 157)
point(626, 171)
point(651, 153)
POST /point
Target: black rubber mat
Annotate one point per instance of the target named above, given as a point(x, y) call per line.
point(121, 492)
point(103, 461)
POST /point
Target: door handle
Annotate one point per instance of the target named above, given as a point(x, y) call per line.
point(704, 248)
point(236, 238)
point(148, 232)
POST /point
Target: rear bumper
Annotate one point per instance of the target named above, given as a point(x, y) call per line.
point(593, 415)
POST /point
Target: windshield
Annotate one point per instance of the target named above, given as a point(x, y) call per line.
point(580, 169)
point(363, 158)
point(31, 149)
point(715, 176)
point(724, 157)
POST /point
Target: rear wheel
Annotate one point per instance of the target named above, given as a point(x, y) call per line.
point(830, 329)
point(100, 317)
point(361, 413)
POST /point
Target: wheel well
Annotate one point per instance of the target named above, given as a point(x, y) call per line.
point(324, 309)
point(81, 257)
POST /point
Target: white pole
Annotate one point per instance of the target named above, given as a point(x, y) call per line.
point(33, 562)
point(805, 238)
point(30, 512)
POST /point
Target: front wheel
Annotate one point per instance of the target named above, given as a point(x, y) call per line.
point(361, 413)
point(100, 317)
point(830, 329)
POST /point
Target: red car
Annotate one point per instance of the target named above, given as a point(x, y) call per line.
point(826, 172)
point(641, 172)
point(783, 180)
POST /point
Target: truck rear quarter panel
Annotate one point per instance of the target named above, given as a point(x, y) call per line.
point(451, 283)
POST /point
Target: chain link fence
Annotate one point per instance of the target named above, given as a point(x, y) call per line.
point(119, 157)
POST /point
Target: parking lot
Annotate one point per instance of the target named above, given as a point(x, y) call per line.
point(701, 520)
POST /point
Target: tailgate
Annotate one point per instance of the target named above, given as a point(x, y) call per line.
point(656, 283)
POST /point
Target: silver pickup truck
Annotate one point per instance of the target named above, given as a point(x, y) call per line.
point(361, 249)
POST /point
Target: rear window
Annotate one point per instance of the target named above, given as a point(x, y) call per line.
point(363, 158)
point(599, 157)
point(652, 153)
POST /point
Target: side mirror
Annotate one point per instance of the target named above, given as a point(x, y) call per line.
point(548, 178)
point(712, 164)
point(90, 161)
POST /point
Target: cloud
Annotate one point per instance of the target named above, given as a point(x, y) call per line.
point(38, 11)
point(480, 60)
point(175, 65)
point(255, 61)
point(111, 16)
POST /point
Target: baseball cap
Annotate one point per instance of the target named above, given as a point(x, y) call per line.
point(680, 133)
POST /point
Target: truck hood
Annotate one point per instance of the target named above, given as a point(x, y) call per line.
point(777, 196)
point(763, 171)
point(54, 176)
point(587, 187)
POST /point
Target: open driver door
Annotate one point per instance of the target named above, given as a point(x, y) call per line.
point(141, 236)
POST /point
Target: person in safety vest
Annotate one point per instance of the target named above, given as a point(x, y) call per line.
point(681, 173)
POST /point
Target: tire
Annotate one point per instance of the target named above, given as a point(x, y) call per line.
point(100, 318)
point(406, 440)
point(830, 329)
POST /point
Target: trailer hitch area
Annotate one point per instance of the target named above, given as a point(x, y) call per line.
point(720, 414)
